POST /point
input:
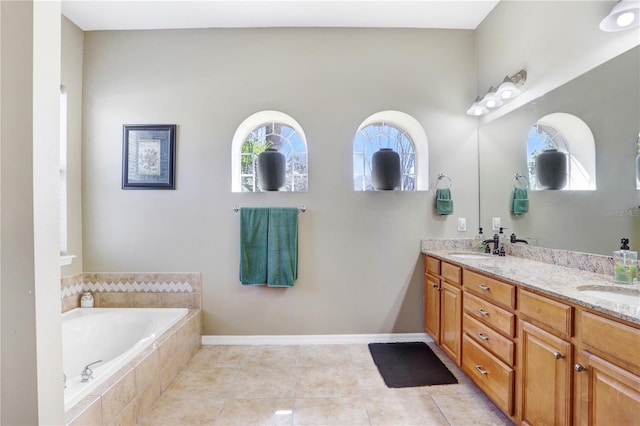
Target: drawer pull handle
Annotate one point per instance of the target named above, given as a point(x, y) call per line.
point(434, 285)
point(482, 336)
point(484, 287)
point(482, 312)
point(557, 355)
point(579, 368)
point(481, 370)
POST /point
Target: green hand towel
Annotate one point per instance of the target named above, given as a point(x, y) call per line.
point(254, 224)
point(520, 201)
point(282, 258)
point(444, 203)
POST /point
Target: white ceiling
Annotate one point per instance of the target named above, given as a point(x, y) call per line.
point(92, 15)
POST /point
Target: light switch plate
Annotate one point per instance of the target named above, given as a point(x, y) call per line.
point(462, 224)
point(496, 224)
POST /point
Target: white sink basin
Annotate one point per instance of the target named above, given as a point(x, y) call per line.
point(470, 256)
point(627, 296)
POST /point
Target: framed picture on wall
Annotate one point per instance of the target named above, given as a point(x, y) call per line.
point(148, 156)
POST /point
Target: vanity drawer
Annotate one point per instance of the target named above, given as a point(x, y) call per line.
point(485, 312)
point(432, 265)
point(619, 340)
point(489, 339)
point(451, 273)
point(556, 315)
point(490, 289)
point(491, 375)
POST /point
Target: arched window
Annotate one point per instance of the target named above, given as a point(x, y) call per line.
point(403, 134)
point(269, 129)
point(568, 134)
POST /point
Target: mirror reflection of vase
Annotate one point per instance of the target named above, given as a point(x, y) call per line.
point(271, 170)
point(552, 169)
point(385, 170)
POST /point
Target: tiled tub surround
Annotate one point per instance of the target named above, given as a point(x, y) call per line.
point(557, 281)
point(133, 290)
point(132, 390)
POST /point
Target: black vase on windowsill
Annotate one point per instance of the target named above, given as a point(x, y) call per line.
point(271, 166)
point(385, 170)
point(552, 169)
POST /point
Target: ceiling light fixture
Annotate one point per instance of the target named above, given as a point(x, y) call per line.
point(495, 98)
point(624, 15)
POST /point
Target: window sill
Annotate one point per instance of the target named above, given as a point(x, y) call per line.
point(67, 259)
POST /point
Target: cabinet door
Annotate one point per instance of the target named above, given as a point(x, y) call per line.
point(432, 307)
point(451, 317)
point(545, 382)
point(609, 395)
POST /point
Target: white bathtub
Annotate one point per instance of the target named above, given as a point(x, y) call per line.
point(113, 335)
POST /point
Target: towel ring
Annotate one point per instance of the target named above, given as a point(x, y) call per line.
point(520, 181)
point(441, 177)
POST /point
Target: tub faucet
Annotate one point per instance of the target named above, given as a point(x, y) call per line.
point(87, 373)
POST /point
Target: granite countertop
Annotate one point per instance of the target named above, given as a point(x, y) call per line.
point(558, 281)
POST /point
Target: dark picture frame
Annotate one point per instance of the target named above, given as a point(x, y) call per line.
point(148, 156)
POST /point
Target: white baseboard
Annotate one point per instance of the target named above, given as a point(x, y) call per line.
point(321, 339)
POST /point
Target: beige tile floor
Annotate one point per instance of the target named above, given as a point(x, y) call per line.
point(310, 385)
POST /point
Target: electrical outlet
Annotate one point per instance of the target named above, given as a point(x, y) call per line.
point(462, 224)
point(496, 224)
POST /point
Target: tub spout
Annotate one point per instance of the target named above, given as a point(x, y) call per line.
point(87, 373)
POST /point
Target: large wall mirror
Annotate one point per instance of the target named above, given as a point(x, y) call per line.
point(607, 100)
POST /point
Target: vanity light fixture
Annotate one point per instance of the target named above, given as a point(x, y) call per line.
point(477, 108)
point(494, 98)
point(510, 87)
point(624, 15)
point(491, 100)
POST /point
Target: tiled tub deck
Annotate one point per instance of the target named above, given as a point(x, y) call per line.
point(131, 391)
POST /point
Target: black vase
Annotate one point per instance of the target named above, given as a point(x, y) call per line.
point(552, 169)
point(271, 170)
point(385, 170)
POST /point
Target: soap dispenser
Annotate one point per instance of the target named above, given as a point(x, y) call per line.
point(477, 243)
point(501, 236)
point(625, 264)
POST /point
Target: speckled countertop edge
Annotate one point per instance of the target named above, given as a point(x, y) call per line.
point(558, 281)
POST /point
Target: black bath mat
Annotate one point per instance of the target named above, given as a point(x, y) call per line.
point(405, 365)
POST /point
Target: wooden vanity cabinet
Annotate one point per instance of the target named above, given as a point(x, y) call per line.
point(432, 306)
point(487, 341)
point(607, 372)
point(545, 360)
point(542, 360)
point(545, 364)
point(443, 305)
point(451, 320)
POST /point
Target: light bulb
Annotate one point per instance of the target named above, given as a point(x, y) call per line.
point(625, 19)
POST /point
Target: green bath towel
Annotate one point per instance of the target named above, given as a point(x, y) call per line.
point(282, 258)
point(254, 223)
point(269, 246)
point(444, 203)
point(520, 201)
